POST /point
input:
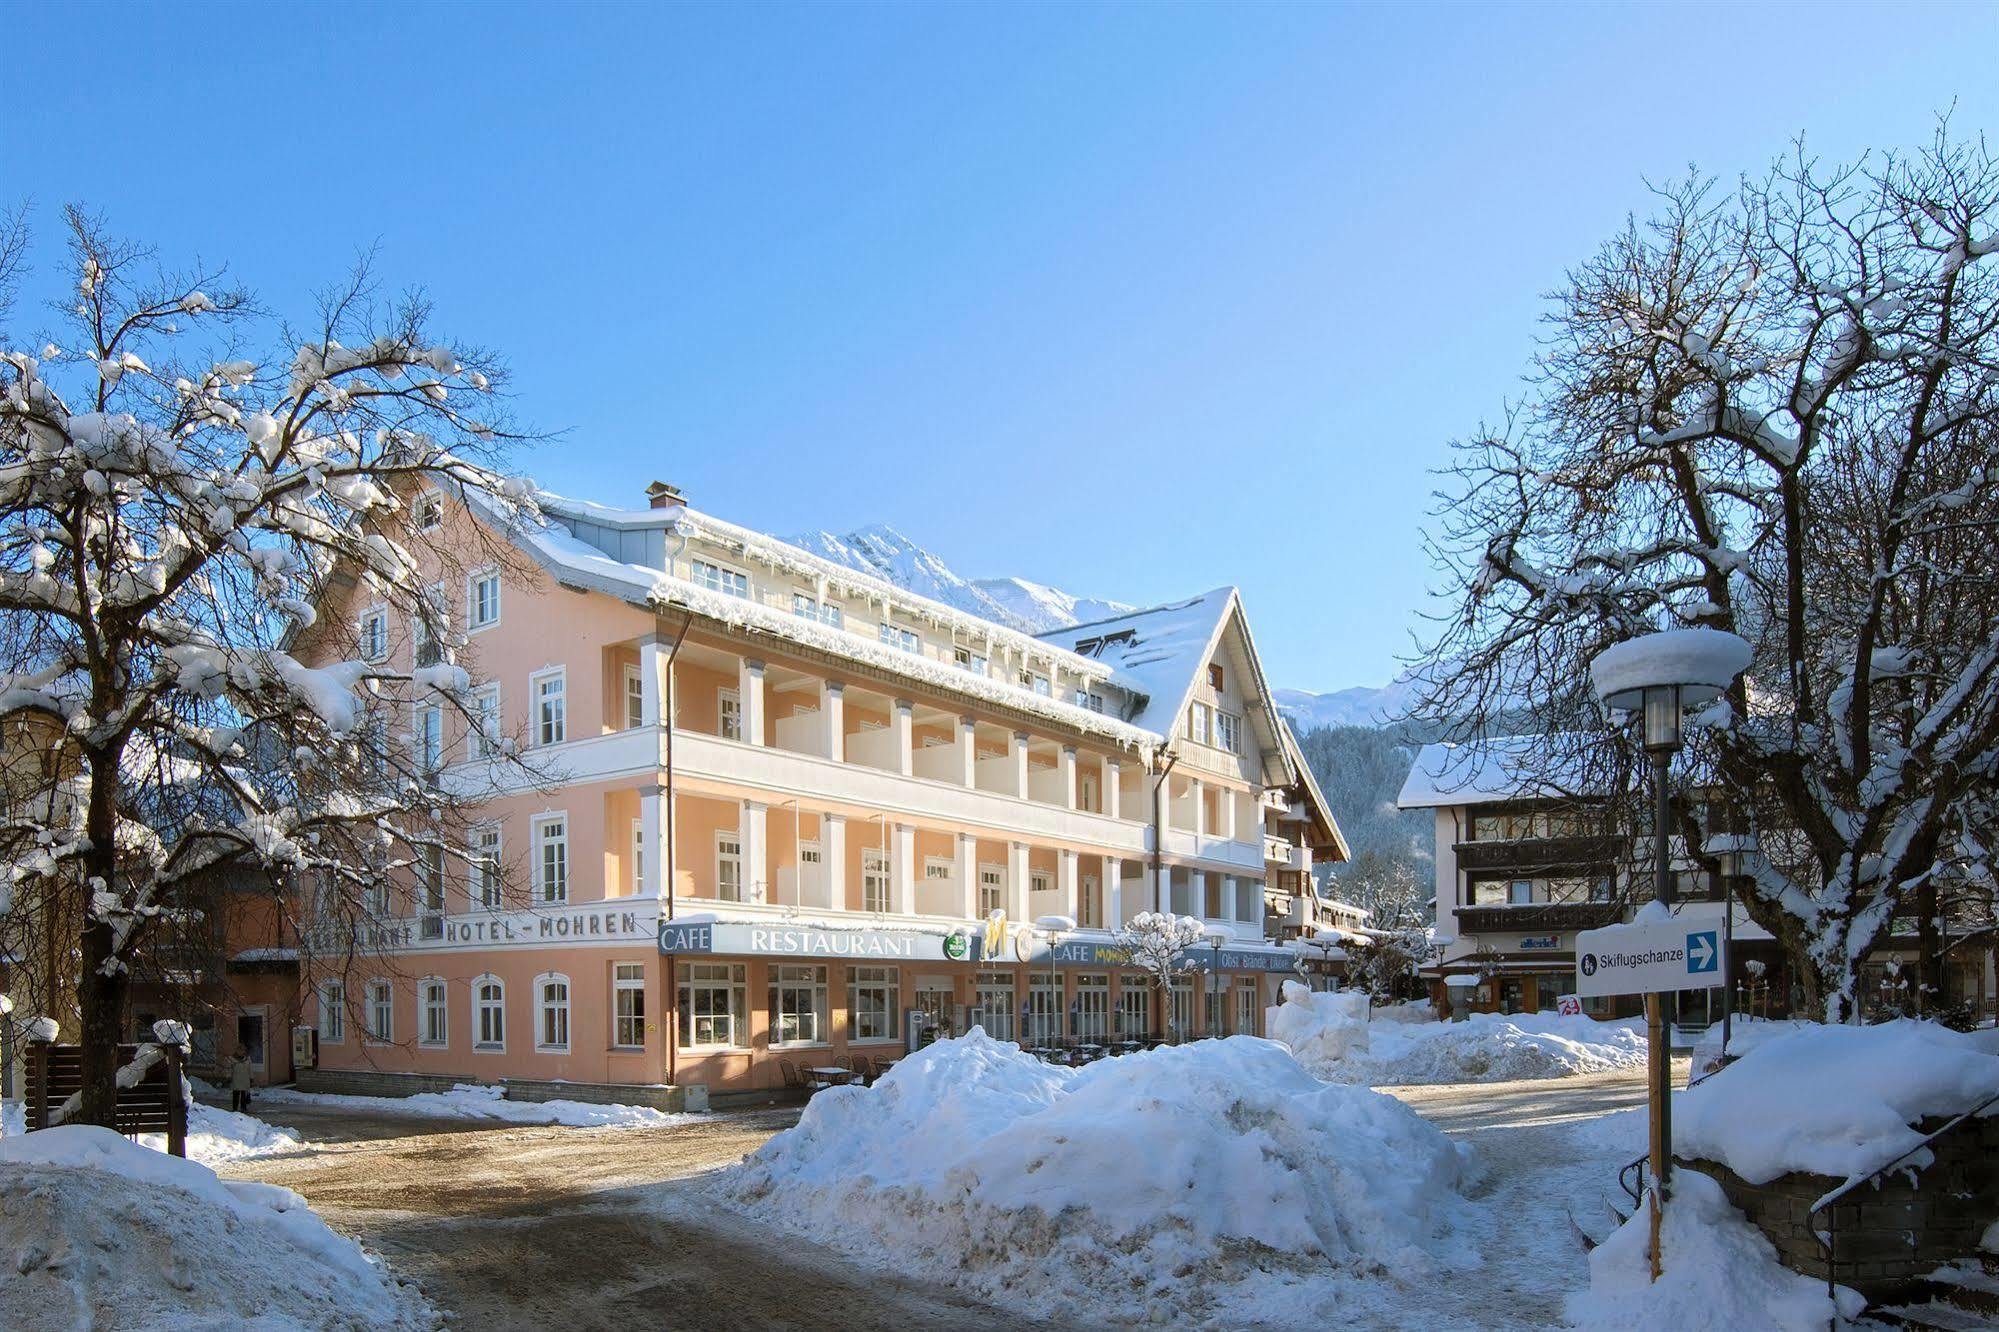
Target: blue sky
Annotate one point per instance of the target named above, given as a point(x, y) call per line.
point(1134, 300)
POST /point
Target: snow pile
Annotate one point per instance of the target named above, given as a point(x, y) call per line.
point(13, 1118)
point(1138, 1187)
point(1746, 1034)
point(215, 1136)
point(1719, 1274)
point(1838, 1101)
point(1336, 1043)
point(97, 1231)
point(475, 1101)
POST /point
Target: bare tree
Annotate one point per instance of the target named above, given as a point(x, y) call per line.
point(1773, 410)
point(173, 510)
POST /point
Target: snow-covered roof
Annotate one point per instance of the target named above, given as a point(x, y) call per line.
point(1485, 772)
point(1157, 652)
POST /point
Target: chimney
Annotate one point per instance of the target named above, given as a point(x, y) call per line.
point(663, 496)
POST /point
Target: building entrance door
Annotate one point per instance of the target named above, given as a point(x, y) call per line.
point(250, 1035)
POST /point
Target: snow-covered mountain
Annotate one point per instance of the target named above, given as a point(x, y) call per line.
point(1360, 706)
point(880, 550)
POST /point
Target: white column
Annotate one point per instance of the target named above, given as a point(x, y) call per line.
point(834, 835)
point(1198, 795)
point(968, 752)
point(750, 696)
point(1016, 881)
point(905, 741)
point(1162, 888)
point(968, 876)
point(1110, 788)
point(1228, 799)
point(1067, 767)
point(1065, 883)
point(652, 842)
point(1020, 764)
point(1113, 892)
point(654, 663)
point(902, 871)
point(756, 863)
point(833, 714)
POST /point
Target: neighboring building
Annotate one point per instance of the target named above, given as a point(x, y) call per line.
point(862, 799)
point(1522, 864)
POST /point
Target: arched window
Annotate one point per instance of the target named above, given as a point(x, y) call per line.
point(432, 1024)
point(489, 1013)
point(551, 1025)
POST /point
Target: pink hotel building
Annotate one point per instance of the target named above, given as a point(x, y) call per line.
point(789, 811)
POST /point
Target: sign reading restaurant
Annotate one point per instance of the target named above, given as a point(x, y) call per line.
point(728, 938)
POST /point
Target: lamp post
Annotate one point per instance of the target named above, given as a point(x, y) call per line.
point(1729, 861)
point(1055, 927)
point(1215, 939)
point(1659, 676)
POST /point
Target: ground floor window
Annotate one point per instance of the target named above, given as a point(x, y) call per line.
point(1093, 1007)
point(873, 1001)
point(552, 1014)
point(332, 1013)
point(381, 1011)
point(1247, 1009)
point(1044, 1011)
point(489, 1014)
point(628, 1005)
point(713, 1004)
point(993, 993)
point(1180, 1019)
point(1213, 999)
point(432, 1028)
point(1134, 1009)
point(798, 1006)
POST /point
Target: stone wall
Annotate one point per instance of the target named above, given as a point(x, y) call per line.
point(1886, 1235)
point(362, 1082)
point(365, 1082)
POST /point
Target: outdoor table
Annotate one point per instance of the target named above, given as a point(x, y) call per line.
point(833, 1073)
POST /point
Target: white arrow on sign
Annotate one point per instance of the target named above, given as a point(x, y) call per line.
point(1700, 951)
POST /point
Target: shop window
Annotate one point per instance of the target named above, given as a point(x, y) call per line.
point(797, 999)
point(714, 1008)
point(873, 1003)
point(993, 991)
point(628, 1005)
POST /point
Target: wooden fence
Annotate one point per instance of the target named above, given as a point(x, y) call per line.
point(157, 1103)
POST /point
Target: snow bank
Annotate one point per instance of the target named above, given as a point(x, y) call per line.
point(475, 1101)
point(1336, 1042)
point(1836, 1101)
point(215, 1136)
point(1133, 1188)
point(1747, 1034)
point(1719, 1274)
point(98, 1231)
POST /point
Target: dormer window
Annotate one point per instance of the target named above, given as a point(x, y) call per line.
point(1215, 676)
point(898, 637)
point(716, 578)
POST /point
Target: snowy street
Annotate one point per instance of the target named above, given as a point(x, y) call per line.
point(524, 1227)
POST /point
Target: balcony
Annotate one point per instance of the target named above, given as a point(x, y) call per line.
point(1542, 854)
point(1538, 916)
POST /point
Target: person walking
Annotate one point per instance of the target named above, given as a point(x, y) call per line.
point(239, 1081)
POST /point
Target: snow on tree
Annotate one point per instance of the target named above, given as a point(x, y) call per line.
point(1772, 411)
point(174, 510)
point(1157, 944)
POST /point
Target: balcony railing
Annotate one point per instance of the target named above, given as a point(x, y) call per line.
point(1542, 853)
point(1537, 916)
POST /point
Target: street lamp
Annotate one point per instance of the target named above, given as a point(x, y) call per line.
point(1216, 940)
point(1055, 927)
point(1660, 676)
point(1731, 857)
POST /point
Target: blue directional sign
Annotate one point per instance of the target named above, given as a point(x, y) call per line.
point(1703, 953)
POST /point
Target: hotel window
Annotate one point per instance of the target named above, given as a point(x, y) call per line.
point(873, 1001)
point(482, 723)
point(374, 634)
point(1087, 902)
point(1215, 676)
point(874, 880)
point(432, 1028)
point(1228, 731)
point(1091, 699)
point(1035, 681)
point(635, 698)
point(1249, 900)
point(1093, 1007)
point(482, 602)
point(1181, 1024)
point(1040, 881)
point(551, 859)
point(1214, 888)
point(937, 869)
point(638, 856)
point(483, 886)
point(898, 637)
point(1520, 892)
point(429, 739)
point(1197, 722)
point(1487, 892)
point(381, 1011)
point(628, 1005)
point(1134, 1009)
point(728, 714)
point(822, 612)
point(489, 1014)
point(429, 511)
point(430, 887)
point(966, 659)
point(332, 1012)
point(728, 866)
point(551, 708)
point(993, 992)
point(376, 896)
point(713, 1005)
point(992, 889)
point(1180, 891)
point(430, 618)
point(730, 582)
point(1247, 1009)
point(797, 1005)
point(551, 1033)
